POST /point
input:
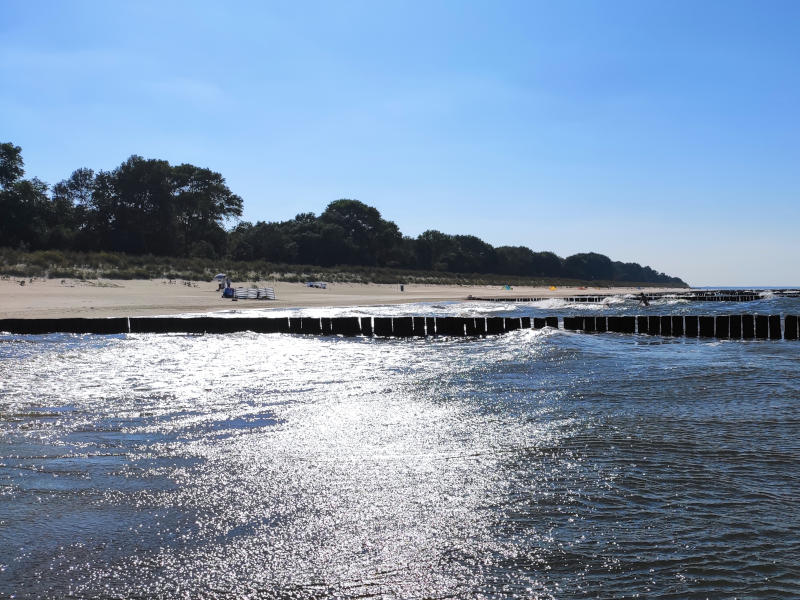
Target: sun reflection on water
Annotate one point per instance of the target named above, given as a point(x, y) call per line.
point(535, 464)
point(311, 465)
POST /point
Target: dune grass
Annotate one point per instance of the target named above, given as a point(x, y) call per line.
point(57, 264)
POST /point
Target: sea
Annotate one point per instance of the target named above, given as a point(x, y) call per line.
point(537, 464)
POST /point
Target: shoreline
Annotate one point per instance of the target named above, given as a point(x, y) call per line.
point(69, 298)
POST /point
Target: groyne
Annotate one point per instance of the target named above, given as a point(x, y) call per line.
point(728, 327)
point(691, 296)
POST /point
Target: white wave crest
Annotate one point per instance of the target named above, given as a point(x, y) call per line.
point(668, 301)
point(550, 303)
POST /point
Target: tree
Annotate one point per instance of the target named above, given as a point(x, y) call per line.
point(203, 203)
point(472, 255)
point(11, 164)
point(77, 189)
point(589, 265)
point(434, 249)
point(547, 264)
point(267, 241)
point(367, 236)
point(515, 260)
point(148, 206)
point(142, 206)
point(72, 199)
point(25, 214)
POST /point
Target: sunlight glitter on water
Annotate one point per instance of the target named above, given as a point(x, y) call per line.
point(536, 464)
point(371, 466)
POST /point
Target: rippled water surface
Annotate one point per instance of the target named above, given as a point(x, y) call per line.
point(539, 464)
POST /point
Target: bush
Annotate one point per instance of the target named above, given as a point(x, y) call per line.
point(135, 273)
point(63, 273)
point(17, 263)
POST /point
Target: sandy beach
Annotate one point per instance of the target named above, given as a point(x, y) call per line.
point(117, 298)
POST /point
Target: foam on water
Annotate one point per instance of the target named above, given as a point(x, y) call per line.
point(420, 309)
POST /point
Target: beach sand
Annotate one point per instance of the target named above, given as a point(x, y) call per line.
point(128, 298)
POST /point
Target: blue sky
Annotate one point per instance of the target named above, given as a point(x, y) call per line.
point(665, 133)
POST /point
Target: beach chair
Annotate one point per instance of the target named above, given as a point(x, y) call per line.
point(254, 294)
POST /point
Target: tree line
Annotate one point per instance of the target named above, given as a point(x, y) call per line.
point(147, 206)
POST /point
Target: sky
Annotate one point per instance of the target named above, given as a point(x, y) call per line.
point(664, 133)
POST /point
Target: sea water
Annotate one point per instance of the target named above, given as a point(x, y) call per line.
point(537, 464)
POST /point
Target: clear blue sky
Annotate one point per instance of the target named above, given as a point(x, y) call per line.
point(665, 133)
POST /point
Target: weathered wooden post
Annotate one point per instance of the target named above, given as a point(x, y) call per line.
point(654, 325)
point(495, 325)
point(512, 323)
point(790, 327)
point(736, 327)
point(628, 324)
point(430, 326)
point(677, 325)
point(748, 327)
point(419, 326)
point(327, 325)
point(775, 327)
point(641, 324)
point(295, 325)
point(366, 326)
point(402, 327)
point(382, 326)
point(723, 330)
point(601, 324)
point(762, 327)
point(706, 326)
point(346, 326)
point(691, 326)
point(310, 326)
point(666, 325)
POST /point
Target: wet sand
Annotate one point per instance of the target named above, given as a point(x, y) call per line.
point(120, 298)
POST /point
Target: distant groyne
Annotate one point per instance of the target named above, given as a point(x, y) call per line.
point(690, 295)
point(729, 327)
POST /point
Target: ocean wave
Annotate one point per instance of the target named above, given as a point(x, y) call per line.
point(564, 304)
point(550, 303)
point(667, 301)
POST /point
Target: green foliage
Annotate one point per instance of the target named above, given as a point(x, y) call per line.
point(589, 266)
point(11, 165)
point(93, 265)
point(142, 206)
point(135, 220)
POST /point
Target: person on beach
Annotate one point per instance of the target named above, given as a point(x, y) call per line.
point(643, 301)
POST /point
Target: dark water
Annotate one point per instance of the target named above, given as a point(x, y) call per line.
point(539, 464)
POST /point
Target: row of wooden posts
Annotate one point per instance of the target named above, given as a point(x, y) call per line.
point(736, 327)
point(773, 327)
point(344, 326)
point(691, 297)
